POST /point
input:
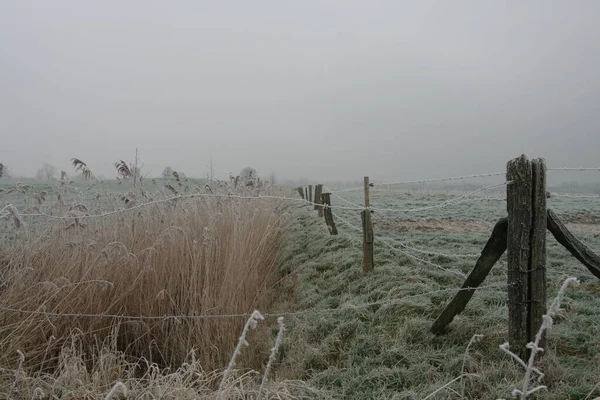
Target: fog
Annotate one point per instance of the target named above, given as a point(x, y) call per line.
point(321, 90)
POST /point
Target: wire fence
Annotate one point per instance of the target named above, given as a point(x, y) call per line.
point(399, 247)
point(344, 308)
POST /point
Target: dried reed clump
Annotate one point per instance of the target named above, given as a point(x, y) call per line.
point(123, 169)
point(111, 374)
point(79, 166)
point(190, 257)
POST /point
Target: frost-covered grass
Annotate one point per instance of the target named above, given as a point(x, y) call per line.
point(385, 350)
point(357, 336)
point(82, 305)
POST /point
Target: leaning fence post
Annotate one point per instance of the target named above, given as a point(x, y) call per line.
point(306, 194)
point(367, 224)
point(310, 193)
point(301, 191)
point(318, 193)
point(326, 201)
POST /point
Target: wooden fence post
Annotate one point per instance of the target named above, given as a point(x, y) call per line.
point(306, 194)
point(301, 191)
point(526, 250)
point(518, 199)
point(537, 298)
point(326, 200)
point(310, 193)
point(367, 224)
point(318, 193)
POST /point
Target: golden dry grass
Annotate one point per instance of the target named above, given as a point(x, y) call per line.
point(185, 257)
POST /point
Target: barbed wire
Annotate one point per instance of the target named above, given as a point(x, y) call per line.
point(444, 204)
point(349, 224)
point(408, 182)
point(354, 207)
point(484, 198)
point(574, 169)
point(433, 253)
point(462, 275)
point(451, 178)
point(334, 194)
point(575, 196)
point(180, 197)
point(345, 308)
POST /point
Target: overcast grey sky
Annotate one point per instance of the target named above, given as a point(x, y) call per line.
point(316, 89)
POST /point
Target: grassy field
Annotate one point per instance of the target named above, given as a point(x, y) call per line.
point(349, 336)
point(65, 283)
point(385, 350)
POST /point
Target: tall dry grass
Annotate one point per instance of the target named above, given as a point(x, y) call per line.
point(185, 257)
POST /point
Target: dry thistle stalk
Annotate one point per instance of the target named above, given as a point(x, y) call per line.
point(273, 355)
point(251, 323)
point(547, 323)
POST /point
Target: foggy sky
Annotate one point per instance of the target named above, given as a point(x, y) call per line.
point(315, 89)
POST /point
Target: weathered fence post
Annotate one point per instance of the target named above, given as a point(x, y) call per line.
point(367, 224)
point(526, 247)
point(301, 191)
point(310, 192)
point(326, 200)
point(318, 193)
point(537, 300)
point(306, 194)
point(519, 198)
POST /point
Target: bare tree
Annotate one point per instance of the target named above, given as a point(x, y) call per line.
point(167, 172)
point(248, 174)
point(46, 172)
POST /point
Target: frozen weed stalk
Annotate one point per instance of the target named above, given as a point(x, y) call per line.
point(251, 323)
point(525, 390)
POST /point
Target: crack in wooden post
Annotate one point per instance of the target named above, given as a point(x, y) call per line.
point(537, 262)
